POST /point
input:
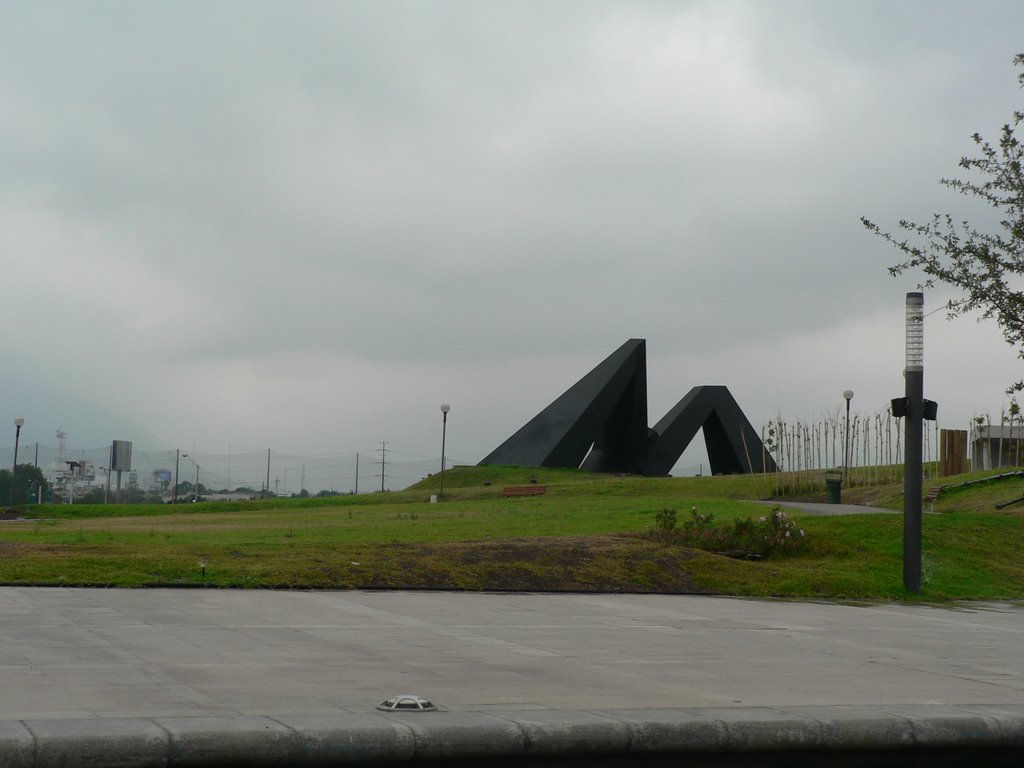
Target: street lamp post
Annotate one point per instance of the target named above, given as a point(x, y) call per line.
point(195, 491)
point(444, 429)
point(914, 426)
point(848, 395)
point(18, 424)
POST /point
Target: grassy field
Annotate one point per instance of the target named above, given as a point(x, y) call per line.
point(587, 533)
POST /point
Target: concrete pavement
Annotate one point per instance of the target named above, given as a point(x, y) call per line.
point(824, 509)
point(179, 674)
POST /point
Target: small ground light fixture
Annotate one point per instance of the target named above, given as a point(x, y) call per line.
point(406, 702)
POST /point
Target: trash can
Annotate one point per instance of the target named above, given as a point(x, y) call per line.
point(834, 486)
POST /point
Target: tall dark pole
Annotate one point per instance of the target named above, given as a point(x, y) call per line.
point(444, 429)
point(914, 424)
point(848, 395)
point(18, 422)
point(177, 458)
point(110, 462)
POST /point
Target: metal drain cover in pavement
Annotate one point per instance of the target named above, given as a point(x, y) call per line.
point(406, 702)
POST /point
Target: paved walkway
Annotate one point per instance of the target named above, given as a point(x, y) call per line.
point(177, 657)
point(829, 510)
point(99, 652)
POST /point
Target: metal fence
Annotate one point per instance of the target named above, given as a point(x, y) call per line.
point(385, 466)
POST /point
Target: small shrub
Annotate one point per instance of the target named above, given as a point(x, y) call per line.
point(700, 532)
point(780, 534)
point(745, 536)
point(665, 520)
point(772, 534)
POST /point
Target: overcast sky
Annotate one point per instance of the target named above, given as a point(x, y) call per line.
point(305, 225)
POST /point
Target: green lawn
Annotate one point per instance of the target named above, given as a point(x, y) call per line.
point(585, 533)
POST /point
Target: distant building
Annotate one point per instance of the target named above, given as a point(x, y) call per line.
point(996, 446)
point(161, 480)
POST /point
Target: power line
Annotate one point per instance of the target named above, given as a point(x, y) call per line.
point(248, 469)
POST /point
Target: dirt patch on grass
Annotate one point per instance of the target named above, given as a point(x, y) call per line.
point(601, 563)
point(23, 549)
point(607, 563)
point(566, 552)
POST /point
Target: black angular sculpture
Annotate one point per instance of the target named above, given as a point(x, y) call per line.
point(600, 425)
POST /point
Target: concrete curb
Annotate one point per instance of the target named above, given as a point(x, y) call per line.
point(548, 736)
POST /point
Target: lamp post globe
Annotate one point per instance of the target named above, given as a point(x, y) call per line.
point(444, 429)
point(18, 424)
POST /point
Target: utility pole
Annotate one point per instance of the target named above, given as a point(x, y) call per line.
point(357, 474)
point(383, 450)
point(177, 458)
point(267, 486)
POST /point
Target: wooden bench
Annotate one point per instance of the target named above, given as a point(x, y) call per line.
point(933, 493)
point(523, 490)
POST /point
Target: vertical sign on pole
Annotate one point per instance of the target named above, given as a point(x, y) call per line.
point(120, 461)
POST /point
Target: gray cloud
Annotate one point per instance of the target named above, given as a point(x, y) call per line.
point(231, 203)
